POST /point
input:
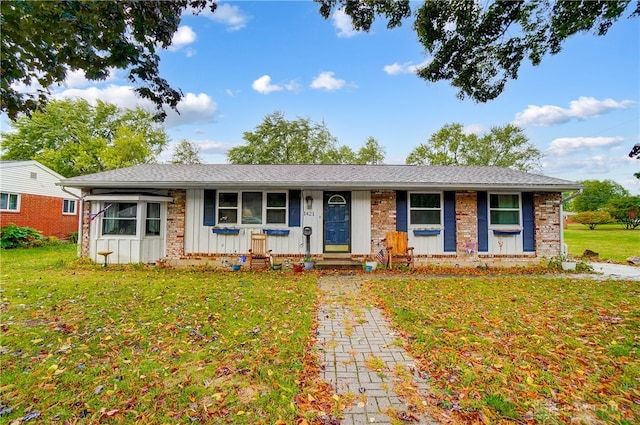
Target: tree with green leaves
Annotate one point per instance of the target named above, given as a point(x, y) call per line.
point(596, 194)
point(73, 137)
point(626, 211)
point(301, 141)
point(480, 46)
point(502, 146)
point(43, 40)
point(186, 152)
point(371, 153)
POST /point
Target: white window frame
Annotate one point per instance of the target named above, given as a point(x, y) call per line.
point(9, 195)
point(66, 202)
point(492, 225)
point(239, 208)
point(148, 220)
point(425, 225)
point(105, 217)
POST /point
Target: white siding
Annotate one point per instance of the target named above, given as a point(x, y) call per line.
point(125, 249)
point(32, 178)
point(361, 222)
point(200, 239)
point(427, 245)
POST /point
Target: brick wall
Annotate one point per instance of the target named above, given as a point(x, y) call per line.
point(466, 221)
point(85, 237)
point(175, 223)
point(43, 213)
point(547, 223)
point(383, 216)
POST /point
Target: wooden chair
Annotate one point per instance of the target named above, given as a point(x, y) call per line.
point(398, 251)
point(259, 257)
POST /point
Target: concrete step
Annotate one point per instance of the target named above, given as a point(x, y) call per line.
point(338, 263)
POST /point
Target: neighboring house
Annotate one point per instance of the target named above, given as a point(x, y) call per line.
point(151, 212)
point(30, 196)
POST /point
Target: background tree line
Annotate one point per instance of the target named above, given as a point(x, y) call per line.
point(73, 137)
point(603, 202)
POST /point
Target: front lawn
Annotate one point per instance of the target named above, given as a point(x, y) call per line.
point(610, 241)
point(140, 344)
point(522, 348)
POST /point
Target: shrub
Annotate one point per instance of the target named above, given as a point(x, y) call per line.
point(592, 218)
point(13, 236)
point(73, 237)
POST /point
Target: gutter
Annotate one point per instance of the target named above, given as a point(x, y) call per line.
point(564, 250)
point(80, 210)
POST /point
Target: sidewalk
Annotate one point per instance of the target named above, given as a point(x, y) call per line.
point(364, 360)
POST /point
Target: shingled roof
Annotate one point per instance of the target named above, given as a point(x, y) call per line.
point(312, 176)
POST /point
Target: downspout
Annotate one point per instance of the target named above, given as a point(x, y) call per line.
point(79, 209)
point(563, 248)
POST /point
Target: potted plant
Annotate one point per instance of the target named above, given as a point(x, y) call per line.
point(370, 264)
point(308, 263)
point(568, 264)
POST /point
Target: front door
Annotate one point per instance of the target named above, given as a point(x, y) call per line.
point(337, 222)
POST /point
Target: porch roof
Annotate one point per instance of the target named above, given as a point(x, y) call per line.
point(316, 176)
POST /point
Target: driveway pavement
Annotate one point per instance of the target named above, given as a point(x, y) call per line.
point(616, 271)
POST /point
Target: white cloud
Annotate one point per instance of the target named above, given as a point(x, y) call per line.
point(342, 22)
point(567, 145)
point(326, 80)
point(404, 68)
point(583, 108)
point(183, 37)
point(582, 168)
point(473, 129)
point(263, 85)
point(193, 108)
point(213, 147)
point(228, 15)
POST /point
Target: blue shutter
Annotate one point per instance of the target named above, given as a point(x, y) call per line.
point(295, 204)
point(209, 216)
point(528, 223)
point(449, 222)
point(402, 223)
point(483, 223)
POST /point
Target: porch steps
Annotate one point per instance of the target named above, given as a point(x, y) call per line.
point(338, 262)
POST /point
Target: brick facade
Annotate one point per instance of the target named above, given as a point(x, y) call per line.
point(175, 223)
point(547, 223)
point(383, 216)
point(466, 222)
point(85, 237)
point(43, 213)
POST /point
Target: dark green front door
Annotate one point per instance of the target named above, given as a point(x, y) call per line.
point(337, 222)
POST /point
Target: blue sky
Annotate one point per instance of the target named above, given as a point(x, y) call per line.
point(250, 59)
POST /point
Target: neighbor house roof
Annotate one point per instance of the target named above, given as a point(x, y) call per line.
point(312, 176)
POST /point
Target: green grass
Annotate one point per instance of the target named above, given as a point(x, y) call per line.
point(523, 348)
point(141, 344)
point(610, 241)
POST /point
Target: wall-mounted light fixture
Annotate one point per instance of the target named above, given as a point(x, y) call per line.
point(309, 201)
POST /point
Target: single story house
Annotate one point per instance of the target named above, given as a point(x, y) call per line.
point(452, 214)
point(30, 197)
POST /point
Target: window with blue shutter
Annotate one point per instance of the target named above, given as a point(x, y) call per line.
point(449, 222)
point(295, 203)
point(401, 211)
point(209, 214)
point(483, 223)
point(528, 223)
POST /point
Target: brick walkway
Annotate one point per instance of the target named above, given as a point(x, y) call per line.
point(364, 360)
